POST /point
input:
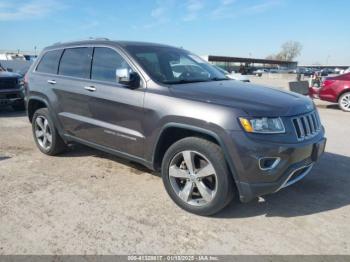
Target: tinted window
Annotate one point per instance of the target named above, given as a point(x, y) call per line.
point(105, 63)
point(76, 62)
point(174, 66)
point(49, 62)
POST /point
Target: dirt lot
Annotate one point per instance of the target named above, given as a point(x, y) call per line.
point(87, 202)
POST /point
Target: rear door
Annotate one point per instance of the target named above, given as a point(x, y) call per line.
point(70, 89)
point(45, 74)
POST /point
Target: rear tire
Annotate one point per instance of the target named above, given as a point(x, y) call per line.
point(45, 134)
point(195, 189)
point(344, 102)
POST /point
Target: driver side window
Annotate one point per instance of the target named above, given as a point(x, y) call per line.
point(105, 63)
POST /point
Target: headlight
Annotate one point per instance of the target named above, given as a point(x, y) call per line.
point(264, 125)
point(21, 81)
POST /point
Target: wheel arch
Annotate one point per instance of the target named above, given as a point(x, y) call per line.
point(173, 132)
point(35, 103)
point(346, 90)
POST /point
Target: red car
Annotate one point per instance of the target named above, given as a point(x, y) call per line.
point(335, 89)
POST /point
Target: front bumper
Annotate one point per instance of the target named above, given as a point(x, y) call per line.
point(11, 97)
point(295, 162)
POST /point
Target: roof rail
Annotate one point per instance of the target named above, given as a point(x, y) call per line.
point(90, 38)
point(99, 38)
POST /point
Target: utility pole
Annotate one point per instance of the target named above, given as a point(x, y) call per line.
point(328, 60)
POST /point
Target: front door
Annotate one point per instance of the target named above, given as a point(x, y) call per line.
point(115, 112)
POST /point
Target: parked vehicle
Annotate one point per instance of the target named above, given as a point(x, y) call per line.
point(335, 89)
point(309, 72)
point(338, 70)
point(347, 70)
point(282, 70)
point(238, 77)
point(30, 57)
point(233, 75)
point(11, 90)
point(260, 72)
point(12, 56)
point(329, 71)
point(210, 138)
point(322, 72)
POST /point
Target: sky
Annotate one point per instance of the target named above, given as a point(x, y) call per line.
point(242, 28)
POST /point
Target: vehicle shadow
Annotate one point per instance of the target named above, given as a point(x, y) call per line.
point(78, 150)
point(9, 112)
point(334, 106)
point(325, 188)
point(329, 106)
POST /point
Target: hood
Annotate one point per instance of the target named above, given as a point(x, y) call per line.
point(255, 100)
point(5, 74)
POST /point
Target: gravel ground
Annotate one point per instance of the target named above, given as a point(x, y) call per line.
point(88, 202)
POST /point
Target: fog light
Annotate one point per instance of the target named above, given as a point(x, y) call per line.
point(268, 163)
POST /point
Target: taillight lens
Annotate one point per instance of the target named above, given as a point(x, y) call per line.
point(25, 84)
point(26, 78)
point(327, 82)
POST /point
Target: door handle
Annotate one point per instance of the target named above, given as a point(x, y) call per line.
point(90, 88)
point(52, 82)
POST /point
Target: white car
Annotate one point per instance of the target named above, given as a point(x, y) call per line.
point(233, 75)
point(12, 56)
point(259, 72)
point(346, 71)
point(238, 76)
point(338, 70)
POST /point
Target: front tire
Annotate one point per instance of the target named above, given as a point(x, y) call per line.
point(45, 134)
point(344, 102)
point(196, 176)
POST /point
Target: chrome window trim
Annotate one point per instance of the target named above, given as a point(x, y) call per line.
point(119, 51)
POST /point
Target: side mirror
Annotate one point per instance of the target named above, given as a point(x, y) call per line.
point(130, 79)
point(9, 69)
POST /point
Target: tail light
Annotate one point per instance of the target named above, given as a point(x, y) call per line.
point(328, 82)
point(26, 77)
point(25, 80)
point(25, 83)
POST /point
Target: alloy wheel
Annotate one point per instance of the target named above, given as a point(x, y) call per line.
point(193, 178)
point(345, 102)
point(43, 132)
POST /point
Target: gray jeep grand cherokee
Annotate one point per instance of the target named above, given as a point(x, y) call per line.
point(166, 108)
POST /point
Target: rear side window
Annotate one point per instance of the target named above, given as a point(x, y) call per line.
point(76, 62)
point(49, 62)
point(105, 63)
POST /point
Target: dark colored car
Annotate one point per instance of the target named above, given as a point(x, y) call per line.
point(210, 137)
point(11, 90)
point(308, 72)
point(336, 90)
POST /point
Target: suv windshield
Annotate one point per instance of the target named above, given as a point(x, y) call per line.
point(174, 66)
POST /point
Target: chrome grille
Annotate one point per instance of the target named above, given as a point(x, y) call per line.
point(306, 126)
